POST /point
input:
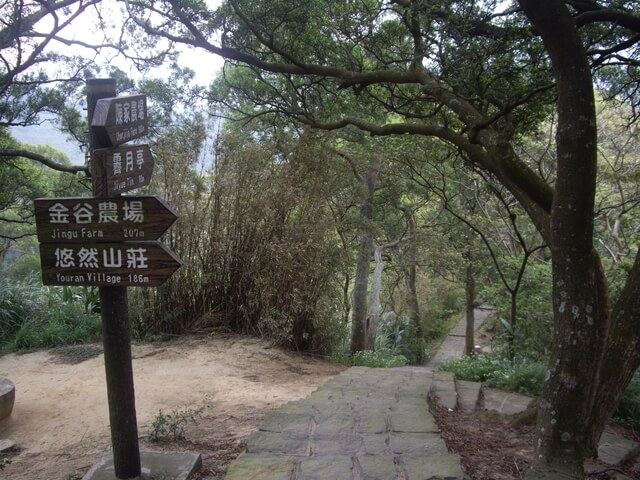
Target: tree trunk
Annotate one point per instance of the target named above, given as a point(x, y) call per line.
point(361, 280)
point(621, 358)
point(345, 297)
point(470, 295)
point(580, 303)
point(411, 296)
point(360, 291)
point(375, 307)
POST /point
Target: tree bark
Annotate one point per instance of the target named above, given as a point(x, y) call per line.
point(580, 305)
point(361, 280)
point(411, 295)
point(470, 295)
point(360, 293)
point(621, 358)
point(375, 307)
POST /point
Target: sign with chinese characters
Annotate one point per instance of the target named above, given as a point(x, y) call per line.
point(117, 120)
point(86, 219)
point(127, 264)
point(109, 240)
point(124, 168)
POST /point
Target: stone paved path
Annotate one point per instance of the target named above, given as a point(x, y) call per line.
point(374, 424)
point(364, 424)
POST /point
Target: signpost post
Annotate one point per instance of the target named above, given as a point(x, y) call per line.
point(115, 328)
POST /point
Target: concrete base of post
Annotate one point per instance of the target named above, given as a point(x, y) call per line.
point(155, 465)
point(7, 397)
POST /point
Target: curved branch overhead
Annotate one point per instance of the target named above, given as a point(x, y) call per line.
point(47, 162)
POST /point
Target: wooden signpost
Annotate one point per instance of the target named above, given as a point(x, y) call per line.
point(111, 241)
point(125, 168)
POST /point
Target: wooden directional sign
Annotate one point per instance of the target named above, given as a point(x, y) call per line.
point(123, 168)
point(126, 264)
point(90, 220)
point(117, 120)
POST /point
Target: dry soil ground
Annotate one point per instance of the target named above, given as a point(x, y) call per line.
point(60, 419)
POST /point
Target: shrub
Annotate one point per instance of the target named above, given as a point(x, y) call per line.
point(34, 316)
point(64, 324)
point(445, 301)
point(522, 376)
point(397, 336)
point(17, 302)
point(534, 315)
point(474, 368)
point(372, 359)
point(171, 426)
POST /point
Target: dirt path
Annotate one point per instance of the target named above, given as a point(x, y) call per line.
point(60, 419)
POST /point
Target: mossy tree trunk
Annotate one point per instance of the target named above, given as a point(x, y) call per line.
point(586, 375)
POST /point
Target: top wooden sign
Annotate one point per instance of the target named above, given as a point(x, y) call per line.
point(117, 120)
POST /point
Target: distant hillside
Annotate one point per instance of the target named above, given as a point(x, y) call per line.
point(47, 134)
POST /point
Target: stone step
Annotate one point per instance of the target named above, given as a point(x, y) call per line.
point(614, 449)
point(7, 445)
point(503, 402)
point(345, 467)
point(468, 395)
point(443, 390)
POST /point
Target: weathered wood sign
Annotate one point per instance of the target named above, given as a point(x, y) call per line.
point(127, 264)
point(117, 120)
point(124, 168)
point(86, 219)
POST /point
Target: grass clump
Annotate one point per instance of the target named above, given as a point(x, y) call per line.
point(34, 316)
point(372, 359)
point(524, 376)
point(63, 324)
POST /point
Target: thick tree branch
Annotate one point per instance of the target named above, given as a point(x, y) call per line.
point(16, 237)
point(43, 160)
point(622, 19)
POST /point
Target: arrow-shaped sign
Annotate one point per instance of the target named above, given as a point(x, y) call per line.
point(94, 220)
point(127, 264)
point(123, 168)
point(117, 120)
